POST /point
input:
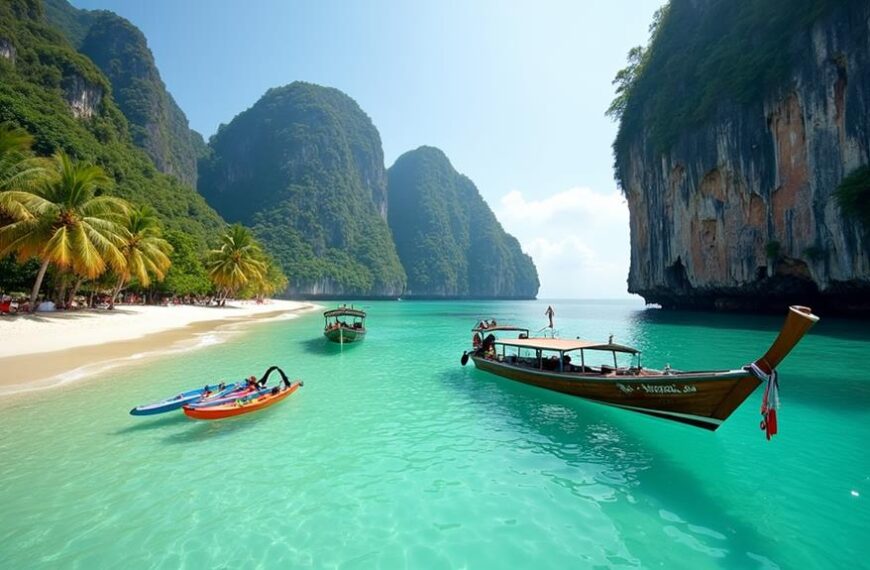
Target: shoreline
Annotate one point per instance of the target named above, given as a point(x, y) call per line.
point(39, 367)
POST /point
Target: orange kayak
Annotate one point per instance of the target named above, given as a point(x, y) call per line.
point(242, 406)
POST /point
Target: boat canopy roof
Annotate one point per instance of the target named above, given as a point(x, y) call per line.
point(497, 328)
point(565, 345)
point(345, 312)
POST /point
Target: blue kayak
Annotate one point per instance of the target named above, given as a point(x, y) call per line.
point(243, 393)
point(218, 391)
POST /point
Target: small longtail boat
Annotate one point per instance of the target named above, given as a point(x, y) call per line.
point(337, 328)
point(176, 402)
point(700, 398)
point(245, 403)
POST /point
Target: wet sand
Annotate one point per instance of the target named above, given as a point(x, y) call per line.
point(35, 370)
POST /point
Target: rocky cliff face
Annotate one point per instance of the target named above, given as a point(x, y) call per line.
point(120, 50)
point(82, 96)
point(7, 50)
point(739, 212)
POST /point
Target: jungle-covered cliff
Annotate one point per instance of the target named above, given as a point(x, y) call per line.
point(449, 241)
point(66, 102)
point(738, 123)
point(305, 168)
point(157, 124)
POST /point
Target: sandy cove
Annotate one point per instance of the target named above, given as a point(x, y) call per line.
point(50, 349)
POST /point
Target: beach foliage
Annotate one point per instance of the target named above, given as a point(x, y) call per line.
point(19, 169)
point(55, 99)
point(187, 274)
point(38, 85)
point(237, 261)
point(146, 253)
point(64, 222)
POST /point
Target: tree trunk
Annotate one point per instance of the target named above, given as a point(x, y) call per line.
point(115, 290)
point(75, 289)
point(35, 292)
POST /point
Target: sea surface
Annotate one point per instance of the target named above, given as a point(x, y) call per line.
point(394, 456)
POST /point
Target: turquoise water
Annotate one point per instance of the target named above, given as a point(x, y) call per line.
point(393, 455)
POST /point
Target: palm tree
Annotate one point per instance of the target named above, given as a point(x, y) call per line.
point(19, 169)
point(145, 251)
point(237, 261)
point(62, 222)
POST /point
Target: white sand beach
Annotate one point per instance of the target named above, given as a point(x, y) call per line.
point(37, 350)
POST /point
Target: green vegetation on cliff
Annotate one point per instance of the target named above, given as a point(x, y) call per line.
point(853, 197)
point(702, 55)
point(121, 52)
point(65, 102)
point(448, 239)
point(304, 167)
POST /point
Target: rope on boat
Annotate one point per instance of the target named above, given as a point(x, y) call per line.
point(262, 381)
point(770, 401)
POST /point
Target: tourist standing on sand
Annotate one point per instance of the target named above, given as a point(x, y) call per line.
point(550, 314)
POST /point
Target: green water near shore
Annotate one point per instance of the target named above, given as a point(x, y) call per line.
point(393, 455)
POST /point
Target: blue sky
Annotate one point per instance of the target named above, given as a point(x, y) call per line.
point(513, 92)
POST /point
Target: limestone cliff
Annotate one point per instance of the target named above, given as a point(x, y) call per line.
point(120, 50)
point(82, 96)
point(737, 211)
point(449, 241)
point(304, 166)
point(7, 50)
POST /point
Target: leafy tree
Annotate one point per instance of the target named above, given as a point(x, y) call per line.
point(186, 275)
point(624, 81)
point(146, 253)
point(272, 280)
point(19, 169)
point(236, 262)
point(63, 222)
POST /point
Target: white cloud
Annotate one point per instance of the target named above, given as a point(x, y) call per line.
point(578, 238)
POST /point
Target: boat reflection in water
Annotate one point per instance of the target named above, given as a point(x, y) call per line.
point(699, 398)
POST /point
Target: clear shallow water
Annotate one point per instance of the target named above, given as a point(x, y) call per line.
point(393, 455)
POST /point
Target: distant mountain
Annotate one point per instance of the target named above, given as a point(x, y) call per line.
point(449, 241)
point(304, 167)
point(120, 50)
point(65, 101)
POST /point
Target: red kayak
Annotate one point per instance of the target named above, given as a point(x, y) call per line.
point(245, 404)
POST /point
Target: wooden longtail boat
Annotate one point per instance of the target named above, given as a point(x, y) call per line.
point(337, 328)
point(699, 398)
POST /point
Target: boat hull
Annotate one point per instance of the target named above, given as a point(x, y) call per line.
point(177, 402)
point(345, 335)
point(701, 399)
point(247, 406)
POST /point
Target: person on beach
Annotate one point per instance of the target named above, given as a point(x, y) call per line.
point(550, 313)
